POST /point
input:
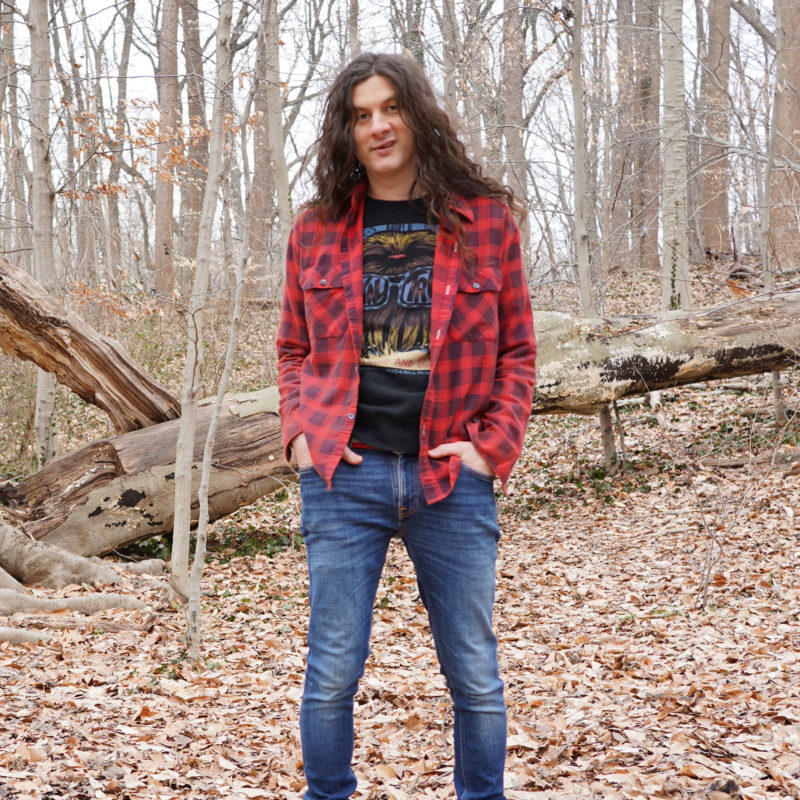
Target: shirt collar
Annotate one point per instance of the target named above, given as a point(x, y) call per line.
point(457, 202)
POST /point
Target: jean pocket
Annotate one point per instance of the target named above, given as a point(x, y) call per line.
point(475, 473)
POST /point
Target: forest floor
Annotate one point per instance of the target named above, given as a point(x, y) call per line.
point(649, 627)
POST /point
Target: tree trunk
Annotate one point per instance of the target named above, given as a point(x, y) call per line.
point(197, 303)
point(620, 177)
point(675, 257)
point(588, 305)
point(647, 168)
point(765, 198)
point(714, 205)
point(169, 106)
point(269, 195)
point(353, 39)
point(17, 240)
point(33, 326)
point(41, 564)
point(113, 241)
point(579, 167)
point(513, 84)
point(784, 229)
point(42, 208)
point(193, 175)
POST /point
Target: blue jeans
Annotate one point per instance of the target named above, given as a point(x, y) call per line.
point(453, 546)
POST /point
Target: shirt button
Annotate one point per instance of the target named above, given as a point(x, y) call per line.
point(476, 285)
point(351, 415)
point(323, 282)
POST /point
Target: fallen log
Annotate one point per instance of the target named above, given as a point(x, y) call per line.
point(35, 327)
point(117, 491)
point(583, 364)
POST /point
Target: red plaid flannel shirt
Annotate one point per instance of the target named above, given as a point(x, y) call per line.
point(482, 345)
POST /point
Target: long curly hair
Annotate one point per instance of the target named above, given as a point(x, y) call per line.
point(442, 165)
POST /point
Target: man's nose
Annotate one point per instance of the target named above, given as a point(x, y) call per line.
point(380, 123)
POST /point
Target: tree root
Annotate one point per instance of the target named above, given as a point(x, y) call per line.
point(7, 582)
point(17, 636)
point(14, 603)
point(41, 564)
point(22, 606)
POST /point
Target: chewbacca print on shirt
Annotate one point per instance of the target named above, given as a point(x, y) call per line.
point(399, 246)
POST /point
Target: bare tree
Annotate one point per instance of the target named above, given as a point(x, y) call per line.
point(269, 212)
point(194, 355)
point(116, 133)
point(765, 206)
point(675, 259)
point(716, 98)
point(169, 112)
point(193, 170)
point(42, 208)
point(352, 29)
point(17, 239)
point(784, 227)
point(584, 277)
point(647, 202)
point(513, 97)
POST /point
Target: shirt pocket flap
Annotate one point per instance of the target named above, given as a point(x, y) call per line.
point(311, 279)
point(325, 303)
point(481, 279)
point(475, 305)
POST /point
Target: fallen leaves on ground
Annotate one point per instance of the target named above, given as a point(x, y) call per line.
point(649, 628)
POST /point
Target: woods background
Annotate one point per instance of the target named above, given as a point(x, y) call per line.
point(647, 613)
point(652, 144)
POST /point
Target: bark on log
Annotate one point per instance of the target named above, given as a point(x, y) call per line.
point(34, 327)
point(119, 490)
point(585, 363)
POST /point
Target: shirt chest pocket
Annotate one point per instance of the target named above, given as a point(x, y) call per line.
point(324, 301)
point(475, 305)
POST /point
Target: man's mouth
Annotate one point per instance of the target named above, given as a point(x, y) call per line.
point(384, 147)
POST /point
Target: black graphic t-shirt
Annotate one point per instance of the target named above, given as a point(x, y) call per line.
point(399, 245)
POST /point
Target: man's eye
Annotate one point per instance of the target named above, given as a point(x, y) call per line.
point(362, 117)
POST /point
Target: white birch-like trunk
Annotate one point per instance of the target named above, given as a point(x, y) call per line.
point(765, 207)
point(353, 39)
point(451, 48)
point(784, 211)
point(579, 168)
point(42, 210)
point(169, 109)
point(581, 238)
point(675, 255)
point(194, 355)
point(275, 139)
point(224, 80)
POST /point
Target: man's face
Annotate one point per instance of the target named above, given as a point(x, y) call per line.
point(384, 143)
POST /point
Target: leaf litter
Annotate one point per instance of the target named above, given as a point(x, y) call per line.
point(649, 628)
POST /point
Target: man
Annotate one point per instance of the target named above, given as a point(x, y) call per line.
point(406, 366)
